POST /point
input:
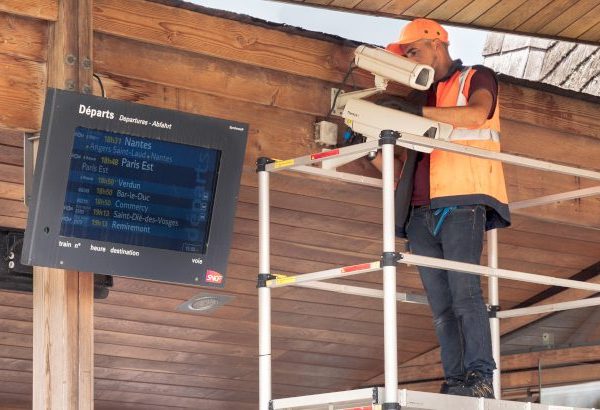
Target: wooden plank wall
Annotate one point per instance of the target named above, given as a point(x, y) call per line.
point(146, 354)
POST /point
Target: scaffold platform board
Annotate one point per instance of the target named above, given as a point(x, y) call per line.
point(370, 399)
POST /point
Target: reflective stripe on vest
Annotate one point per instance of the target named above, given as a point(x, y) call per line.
point(460, 134)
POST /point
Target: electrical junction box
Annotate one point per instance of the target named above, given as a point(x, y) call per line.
point(326, 133)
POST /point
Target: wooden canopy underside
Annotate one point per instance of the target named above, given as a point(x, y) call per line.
point(570, 20)
point(150, 356)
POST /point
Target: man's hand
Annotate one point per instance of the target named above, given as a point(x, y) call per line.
point(401, 104)
point(351, 138)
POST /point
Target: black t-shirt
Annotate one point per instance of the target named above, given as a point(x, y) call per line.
point(483, 78)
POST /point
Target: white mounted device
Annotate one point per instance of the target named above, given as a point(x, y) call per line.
point(385, 66)
point(326, 133)
point(393, 67)
point(370, 119)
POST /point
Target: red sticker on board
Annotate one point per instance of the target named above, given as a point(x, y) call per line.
point(214, 277)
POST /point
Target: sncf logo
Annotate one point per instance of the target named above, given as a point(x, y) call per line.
point(214, 277)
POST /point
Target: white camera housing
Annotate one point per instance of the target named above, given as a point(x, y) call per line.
point(393, 67)
point(370, 119)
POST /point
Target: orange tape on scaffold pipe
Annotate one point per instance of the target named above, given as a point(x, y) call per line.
point(325, 154)
point(361, 266)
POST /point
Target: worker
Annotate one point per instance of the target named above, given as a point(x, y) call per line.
point(449, 200)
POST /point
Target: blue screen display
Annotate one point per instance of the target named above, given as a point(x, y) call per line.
point(139, 191)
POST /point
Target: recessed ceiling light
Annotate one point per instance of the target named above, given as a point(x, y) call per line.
point(204, 303)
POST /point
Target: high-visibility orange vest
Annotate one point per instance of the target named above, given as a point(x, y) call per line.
point(457, 179)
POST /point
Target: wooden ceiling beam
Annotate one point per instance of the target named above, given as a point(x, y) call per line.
point(39, 9)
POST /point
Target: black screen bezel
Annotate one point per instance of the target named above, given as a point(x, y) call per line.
point(61, 117)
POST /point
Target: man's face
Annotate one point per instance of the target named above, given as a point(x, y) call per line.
point(421, 51)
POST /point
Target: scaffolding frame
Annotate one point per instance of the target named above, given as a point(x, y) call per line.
point(390, 258)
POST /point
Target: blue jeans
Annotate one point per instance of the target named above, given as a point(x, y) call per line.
point(459, 313)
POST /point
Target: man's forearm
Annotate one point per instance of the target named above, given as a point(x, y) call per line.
point(472, 115)
point(467, 117)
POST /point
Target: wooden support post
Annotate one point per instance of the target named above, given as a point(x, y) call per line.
point(63, 374)
point(63, 301)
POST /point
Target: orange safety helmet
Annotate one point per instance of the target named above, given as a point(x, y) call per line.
point(418, 29)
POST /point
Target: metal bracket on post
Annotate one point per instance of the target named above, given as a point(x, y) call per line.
point(390, 258)
point(263, 278)
point(493, 311)
point(30, 144)
point(339, 98)
point(390, 406)
point(262, 162)
point(375, 396)
point(388, 137)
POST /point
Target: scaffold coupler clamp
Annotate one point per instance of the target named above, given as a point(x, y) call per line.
point(263, 278)
point(493, 311)
point(261, 163)
point(388, 137)
point(270, 404)
point(390, 406)
point(375, 395)
point(390, 258)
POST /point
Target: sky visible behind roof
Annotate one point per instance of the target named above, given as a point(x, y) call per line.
point(466, 44)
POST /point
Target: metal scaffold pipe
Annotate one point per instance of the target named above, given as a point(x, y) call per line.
point(494, 302)
point(264, 294)
point(389, 273)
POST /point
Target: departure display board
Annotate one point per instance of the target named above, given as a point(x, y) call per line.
point(138, 191)
point(131, 190)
